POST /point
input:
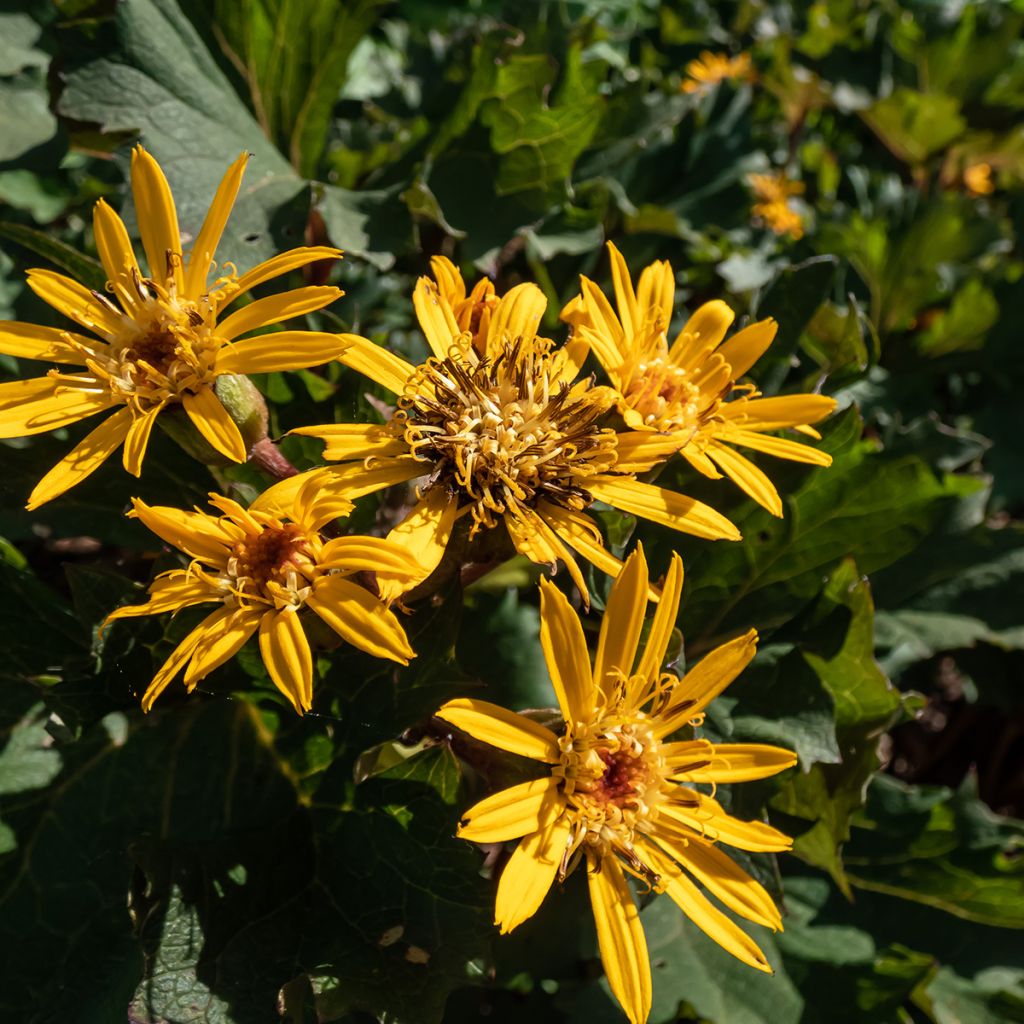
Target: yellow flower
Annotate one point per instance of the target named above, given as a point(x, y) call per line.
point(262, 570)
point(773, 192)
point(687, 392)
point(158, 340)
point(978, 179)
point(617, 792)
point(711, 68)
point(502, 431)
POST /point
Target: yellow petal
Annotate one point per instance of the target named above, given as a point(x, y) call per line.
point(47, 344)
point(116, 253)
point(703, 331)
point(435, 316)
point(709, 820)
point(275, 308)
point(620, 937)
point(625, 297)
point(372, 554)
point(565, 651)
point(517, 316)
point(287, 656)
point(360, 618)
point(735, 762)
point(314, 506)
point(701, 463)
point(224, 640)
point(748, 477)
point(528, 875)
point(781, 448)
point(281, 264)
point(502, 728)
point(424, 534)
point(745, 347)
point(137, 439)
point(449, 279)
point(513, 812)
point(205, 245)
point(347, 482)
point(580, 533)
point(532, 537)
point(703, 913)
point(605, 336)
point(675, 511)
point(166, 594)
point(781, 411)
point(706, 681)
point(82, 460)
point(353, 440)
point(568, 361)
point(179, 656)
point(197, 534)
point(211, 419)
point(664, 621)
point(655, 292)
point(76, 302)
point(637, 451)
point(622, 622)
point(377, 363)
point(34, 406)
point(724, 879)
point(287, 350)
point(157, 218)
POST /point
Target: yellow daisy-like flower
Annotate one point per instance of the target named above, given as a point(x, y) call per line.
point(711, 68)
point(773, 209)
point(159, 339)
point(687, 392)
point(262, 570)
point(978, 179)
point(616, 792)
point(502, 431)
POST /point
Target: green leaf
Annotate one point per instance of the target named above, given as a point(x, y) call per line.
point(792, 299)
point(295, 59)
point(993, 996)
point(82, 268)
point(962, 327)
point(25, 115)
point(187, 114)
point(539, 141)
point(915, 124)
point(870, 506)
point(946, 850)
point(837, 644)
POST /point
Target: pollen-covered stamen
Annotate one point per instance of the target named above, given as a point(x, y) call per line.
point(613, 775)
point(664, 396)
point(502, 433)
point(275, 565)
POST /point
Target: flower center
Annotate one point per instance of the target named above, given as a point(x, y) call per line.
point(613, 780)
point(503, 433)
point(664, 396)
point(275, 565)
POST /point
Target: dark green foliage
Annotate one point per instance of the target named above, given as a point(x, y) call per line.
point(220, 861)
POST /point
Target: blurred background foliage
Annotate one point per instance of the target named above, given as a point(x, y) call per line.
point(220, 860)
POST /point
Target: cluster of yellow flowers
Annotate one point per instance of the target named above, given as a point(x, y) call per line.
point(501, 431)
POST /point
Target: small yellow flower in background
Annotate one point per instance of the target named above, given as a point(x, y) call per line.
point(978, 179)
point(617, 793)
point(687, 392)
point(159, 340)
point(711, 68)
point(773, 209)
point(502, 431)
point(262, 571)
